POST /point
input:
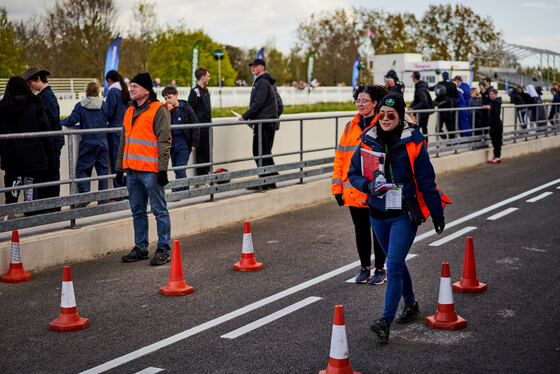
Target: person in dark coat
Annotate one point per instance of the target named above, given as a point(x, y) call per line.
point(90, 113)
point(183, 141)
point(422, 100)
point(263, 105)
point(476, 101)
point(23, 160)
point(37, 80)
point(554, 109)
point(199, 100)
point(117, 100)
point(392, 82)
point(495, 123)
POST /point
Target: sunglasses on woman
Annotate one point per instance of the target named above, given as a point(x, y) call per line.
point(389, 116)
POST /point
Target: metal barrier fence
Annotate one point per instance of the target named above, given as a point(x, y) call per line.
point(23, 214)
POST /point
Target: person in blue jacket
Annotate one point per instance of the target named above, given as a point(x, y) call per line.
point(117, 100)
point(463, 102)
point(91, 113)
point(394, 213)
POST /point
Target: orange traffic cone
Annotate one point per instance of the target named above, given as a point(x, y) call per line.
point(177, 285)
point(339, 363)
point(469, 282)
point(16, 273)
point(445, 317)
point(69, 319)
point(248, 262)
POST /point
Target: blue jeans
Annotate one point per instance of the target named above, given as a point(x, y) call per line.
point(395, 236)
point(142, 185)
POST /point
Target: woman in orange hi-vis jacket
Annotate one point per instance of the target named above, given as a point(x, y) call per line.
point(366, 99)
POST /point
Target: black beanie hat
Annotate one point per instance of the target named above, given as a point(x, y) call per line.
point(144, 80)
point(395, 101)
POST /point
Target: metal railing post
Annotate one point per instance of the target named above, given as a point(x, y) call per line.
point(71, 173)
point(301, 147)
point(438, 129)
point(457, 134)
point(211, 154)
point(259, 139)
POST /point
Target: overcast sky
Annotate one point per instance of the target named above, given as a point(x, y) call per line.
point(250, 23)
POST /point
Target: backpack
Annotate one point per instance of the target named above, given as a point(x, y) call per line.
point(440, 90)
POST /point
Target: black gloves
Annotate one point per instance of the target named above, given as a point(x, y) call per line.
point(339, 199)
point(162, 178)
point(120, 178)
point(371, 189)
point(439, 224)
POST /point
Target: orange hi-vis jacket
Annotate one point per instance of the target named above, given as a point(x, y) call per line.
point(348, 143)
point(141, 144)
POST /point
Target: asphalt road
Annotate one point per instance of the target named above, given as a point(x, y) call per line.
point(308, 256)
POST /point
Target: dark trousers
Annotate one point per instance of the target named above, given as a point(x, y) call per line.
point(362, 227)
point(447, 119)
point(423, 123)
point(91, 156)
point(180, 157)
point(15, 180)
point(268, 131)
point(113, 142)
point(496, 136)
point(203, 151)
point(50, 175)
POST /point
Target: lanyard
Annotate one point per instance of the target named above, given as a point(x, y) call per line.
point(390, 166)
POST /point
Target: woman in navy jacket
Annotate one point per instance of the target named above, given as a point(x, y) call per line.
point(91, 113)
point(393, 227)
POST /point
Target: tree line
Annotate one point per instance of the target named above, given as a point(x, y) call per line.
point(70, 39)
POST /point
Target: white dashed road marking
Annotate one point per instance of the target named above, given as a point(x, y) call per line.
point(502, 214)
point(448, 238)
point(270, 318)
point(538, 197)
point(150, 370)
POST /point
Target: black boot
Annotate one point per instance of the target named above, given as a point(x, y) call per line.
point(409, 313)
point(381, 327)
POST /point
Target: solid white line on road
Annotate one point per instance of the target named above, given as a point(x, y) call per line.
point(449, 238)
point(501, 214)
point(488, 209)
point(538, 197)
point(150, 370)
point(408, 257)
point(270, 318)
point(246, 309)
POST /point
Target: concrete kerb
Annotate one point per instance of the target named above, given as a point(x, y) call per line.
point(65, 246)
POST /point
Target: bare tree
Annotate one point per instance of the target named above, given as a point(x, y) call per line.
point(332, 35)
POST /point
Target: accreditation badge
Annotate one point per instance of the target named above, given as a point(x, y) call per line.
point(393, 198)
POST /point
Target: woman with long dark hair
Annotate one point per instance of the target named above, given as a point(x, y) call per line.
point(118, 100)
point(23, 160)
point(402, 193)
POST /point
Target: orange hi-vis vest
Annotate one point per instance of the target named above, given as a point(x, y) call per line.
point(340, 183)
point(141, 144)
point(413, 150)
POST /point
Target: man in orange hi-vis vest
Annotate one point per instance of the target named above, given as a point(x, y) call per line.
point(144, 155)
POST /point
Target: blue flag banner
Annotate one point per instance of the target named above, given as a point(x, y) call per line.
point(260, 54)
point(112, 61)
point(471, 77)
point(195, 53)
point(355, 71)
point(507, 86)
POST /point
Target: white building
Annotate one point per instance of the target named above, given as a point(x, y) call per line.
point(406, 63)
